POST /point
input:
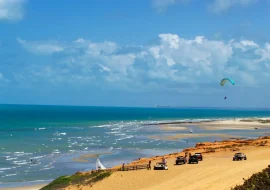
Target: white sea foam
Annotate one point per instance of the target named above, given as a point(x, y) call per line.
point(18, 152)
point(59, 134)
point(10, 175)
point(38, 157)
point(21, 162)
point(127, 137)
point(43, 128)
point(120, 134)
point(12, 158)
point(2, 169)
point(48, 168)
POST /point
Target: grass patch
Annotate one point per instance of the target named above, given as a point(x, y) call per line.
point(76, 179)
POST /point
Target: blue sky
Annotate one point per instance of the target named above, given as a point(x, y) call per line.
point(135, 53)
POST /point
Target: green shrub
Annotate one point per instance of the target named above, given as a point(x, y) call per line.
point(258, 181)
point(76, 179)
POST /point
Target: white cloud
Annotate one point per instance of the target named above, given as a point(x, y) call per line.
point(219, 6)
point(264, 53)
point(3, 79)
point(162, 5)
point(11, 9)
point(169, 63)
point(170, 40)
point(41, 47)
point(245, 45)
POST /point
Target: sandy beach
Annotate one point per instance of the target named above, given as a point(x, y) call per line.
point(36, 187)
point(233, 124)
point(216, 170)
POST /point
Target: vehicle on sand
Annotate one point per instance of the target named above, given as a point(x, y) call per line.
point(239, 156)
point(193, 159)
point(180, 160)
point(199, 156)
point(160, 166)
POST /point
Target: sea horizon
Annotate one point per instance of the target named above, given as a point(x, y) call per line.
point(154, 106)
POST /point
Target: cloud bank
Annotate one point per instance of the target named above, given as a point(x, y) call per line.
point(171, 63)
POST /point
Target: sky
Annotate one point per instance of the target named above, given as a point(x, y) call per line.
point(135, 53)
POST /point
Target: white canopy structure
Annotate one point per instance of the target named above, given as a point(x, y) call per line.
point(99, 165)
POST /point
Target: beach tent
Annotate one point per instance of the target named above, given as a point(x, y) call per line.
point(99, 165)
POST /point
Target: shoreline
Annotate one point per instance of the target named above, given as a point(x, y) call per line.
point(34, 187)
point(204, 147)
point(202, 121)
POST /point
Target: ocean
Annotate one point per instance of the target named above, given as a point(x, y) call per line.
point(55, 136)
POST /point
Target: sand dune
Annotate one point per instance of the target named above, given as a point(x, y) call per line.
point(217, 171)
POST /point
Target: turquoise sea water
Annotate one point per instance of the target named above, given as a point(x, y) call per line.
point(54, 135)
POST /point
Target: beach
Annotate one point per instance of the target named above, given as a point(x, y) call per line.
point(68, 144)
point(217, 170)
point(36, 187)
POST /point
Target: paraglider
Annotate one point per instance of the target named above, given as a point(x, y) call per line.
point(224, 81)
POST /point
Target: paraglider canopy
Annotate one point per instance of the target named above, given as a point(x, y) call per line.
point(225, 80)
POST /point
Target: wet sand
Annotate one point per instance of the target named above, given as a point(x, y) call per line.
point(217, 125)
point(84, 157)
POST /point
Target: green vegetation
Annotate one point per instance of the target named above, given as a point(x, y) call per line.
point(258, 181)
point(76, 179)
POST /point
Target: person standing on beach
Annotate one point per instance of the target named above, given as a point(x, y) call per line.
point(164, 161)
point(149, 165)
